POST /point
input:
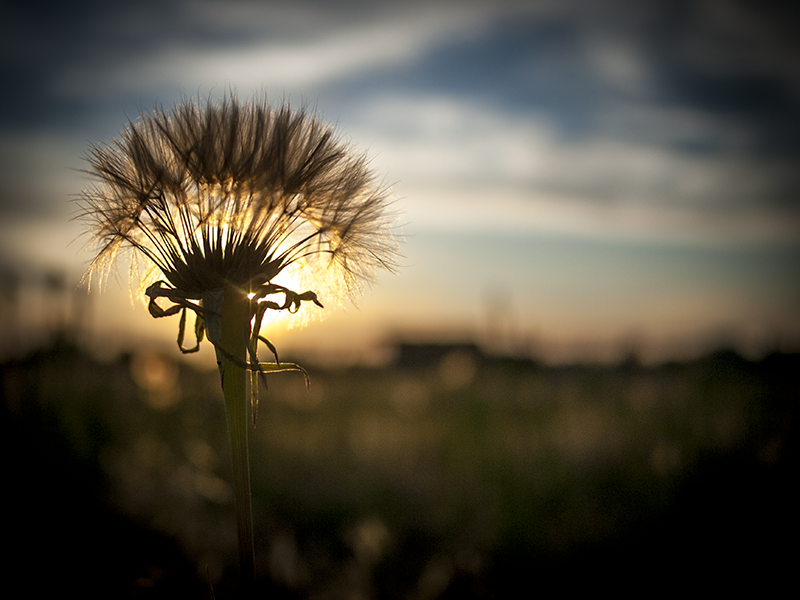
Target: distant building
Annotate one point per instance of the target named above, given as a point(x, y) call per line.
point(431, 355)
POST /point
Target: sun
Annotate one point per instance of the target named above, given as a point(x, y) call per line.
point(299, 276)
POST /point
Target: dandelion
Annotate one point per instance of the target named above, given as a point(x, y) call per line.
point(215, 203)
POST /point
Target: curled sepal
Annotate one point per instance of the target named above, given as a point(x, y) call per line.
point(156, 291)
point(267, 367)
point(182, 333)
point(207, 324)
point(259, 311)
point(180, 305)
point(260, 369)
point(252, 348)
point(292, 300)
point(271, 348)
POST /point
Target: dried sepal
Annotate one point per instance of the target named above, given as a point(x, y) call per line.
point(207, 324)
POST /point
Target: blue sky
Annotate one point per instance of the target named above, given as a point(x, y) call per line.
point(574, 177)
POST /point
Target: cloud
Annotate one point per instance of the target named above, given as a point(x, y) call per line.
point(307, 52)
point(545, 100)
point(742, 38)
point(462, 165)
point(38, 171)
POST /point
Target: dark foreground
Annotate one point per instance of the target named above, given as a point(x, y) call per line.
point(455, 476)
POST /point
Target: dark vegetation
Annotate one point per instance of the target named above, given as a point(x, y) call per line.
point(447, 475)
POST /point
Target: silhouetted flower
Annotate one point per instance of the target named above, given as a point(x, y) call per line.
point(222, 200)
point(227, 197)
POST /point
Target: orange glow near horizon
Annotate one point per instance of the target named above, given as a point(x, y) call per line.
point(545, 303)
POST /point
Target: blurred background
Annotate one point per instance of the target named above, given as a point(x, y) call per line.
point(586, 362)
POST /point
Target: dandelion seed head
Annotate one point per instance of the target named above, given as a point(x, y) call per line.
point(230, 194)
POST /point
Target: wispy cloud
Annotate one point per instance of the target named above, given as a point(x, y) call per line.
point(313, 54)
point(37, 170)
point(484, 169)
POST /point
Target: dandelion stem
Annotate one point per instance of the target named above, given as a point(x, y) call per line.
point(234, 322)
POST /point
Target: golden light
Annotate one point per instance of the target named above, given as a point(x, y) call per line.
point(301, 276)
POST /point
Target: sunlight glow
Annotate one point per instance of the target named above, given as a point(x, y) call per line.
point(299, 277)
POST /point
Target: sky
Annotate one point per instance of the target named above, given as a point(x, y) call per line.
point(576, 180)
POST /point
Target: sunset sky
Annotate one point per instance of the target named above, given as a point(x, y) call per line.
point(576, 178)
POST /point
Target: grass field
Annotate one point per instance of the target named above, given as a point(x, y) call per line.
point(465, 476)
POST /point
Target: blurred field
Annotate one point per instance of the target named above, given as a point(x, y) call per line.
point(448, 474)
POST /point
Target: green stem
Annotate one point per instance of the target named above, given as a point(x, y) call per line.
point(234, 324)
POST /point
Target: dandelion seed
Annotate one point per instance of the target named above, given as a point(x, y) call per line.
point(228, 197)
